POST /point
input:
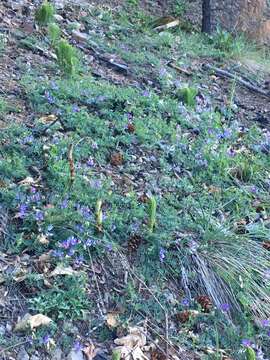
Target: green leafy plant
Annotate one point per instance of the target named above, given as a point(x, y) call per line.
point(44, 14)
point(223, 40)
point(188, 95)
point(152, 213)
point(66, 57)
point(54, 32)
point(250, 354)
point(116, 355)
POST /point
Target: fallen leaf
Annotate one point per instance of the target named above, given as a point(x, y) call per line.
point(112, 319)
point(60, 270)
point(48, 118)
point(42, 239)
point(90, 351)
point(27, 181)
point(32, 321)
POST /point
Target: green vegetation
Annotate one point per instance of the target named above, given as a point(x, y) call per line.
point(183, 222)
point(44, 14)
point(66, 57)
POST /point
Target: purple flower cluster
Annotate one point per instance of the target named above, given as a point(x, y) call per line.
point(50, 99)
point(225, 307)
point(162, 255)
point(22, 211)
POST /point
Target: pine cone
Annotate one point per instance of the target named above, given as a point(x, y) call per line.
point(205, 302)
point(131, 128)
point(183, 316)
point(266, 245)
point(157, 355)
point(116, 159)
point(134, 242)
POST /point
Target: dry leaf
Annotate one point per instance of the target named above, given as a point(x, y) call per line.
point(42, 239)
point(48, 118)
point(32, 321)
point(90, 351)
point(60, 270)
point(130, 345)
point(112, 319)
point(27, 181)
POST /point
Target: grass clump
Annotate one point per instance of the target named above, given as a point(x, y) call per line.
point(188, 95)
point(44, 14)
point(54, 33)
point(66, 57)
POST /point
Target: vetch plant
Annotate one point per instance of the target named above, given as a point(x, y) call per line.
point(250, 353)
point(44, 14)
point(152, 213)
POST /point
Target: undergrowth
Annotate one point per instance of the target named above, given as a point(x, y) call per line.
point(176, 196)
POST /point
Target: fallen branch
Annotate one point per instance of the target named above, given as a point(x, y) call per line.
point(178, 68)
point(71, 163)
point(227, 74)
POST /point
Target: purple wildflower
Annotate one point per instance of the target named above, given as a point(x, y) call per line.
point(231, 152)
point(73, 241)
point(39, 215)
point(225, 307)
point(96, 184)
point(246, 342)
point(77, 346)
point(33, 190)
point(162, 255)
point(71, 252)
point(58, 253)
point(36, 197)
point(90, 162)
point(27, 140)
point(94, 145)
point(65, 244)
point(64, 204)
point(22, 211)
point(268, 333)
point(46, 339)
point(75, 108)
point(53, 85)
point(90, 242)
point(185, 302)
point(49, 97)
point(146, 93)
point(265, 323)
point(79, 261)
point(162, 72)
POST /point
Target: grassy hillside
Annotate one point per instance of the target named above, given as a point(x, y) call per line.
point(134, 186)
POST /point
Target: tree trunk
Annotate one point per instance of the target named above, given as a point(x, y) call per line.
point(206, 16)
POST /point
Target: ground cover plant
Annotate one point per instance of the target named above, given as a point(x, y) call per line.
point(134, 197)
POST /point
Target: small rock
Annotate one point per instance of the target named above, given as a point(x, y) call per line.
point(22, 355)
point(75, 355)
point(58, 17)
point(35, 357)
point(57, 354)
point(79, 36)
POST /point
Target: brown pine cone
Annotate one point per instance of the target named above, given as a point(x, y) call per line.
point(266, 245)
point(134, 242)
point(116, 159)
point(131, 128)
point(205, 302)
point(183, 316)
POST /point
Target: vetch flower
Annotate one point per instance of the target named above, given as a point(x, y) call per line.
point(162, 255)
point(22, 211)
point(185, 302)
point(90, 242)
point(225, 307)
point(75, 108)
point(246, 343)
point(90, 162)
point(58, 253)
point(146, 93)
point(39, 216)
point(77, 346)
point(265, 322)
